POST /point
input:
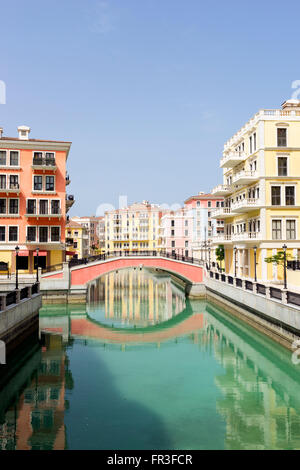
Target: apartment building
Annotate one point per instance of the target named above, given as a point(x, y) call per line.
point(261, 190)
point(33, 200)
point(204, 227)
point(77, 245)
point(133, 228)
point(175, 232)
point(90, 223)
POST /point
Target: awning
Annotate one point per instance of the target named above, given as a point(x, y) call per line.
point(41, 253)
point(70, 253)
point(23, 253)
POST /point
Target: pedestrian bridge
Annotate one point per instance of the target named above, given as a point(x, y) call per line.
point(78, 276)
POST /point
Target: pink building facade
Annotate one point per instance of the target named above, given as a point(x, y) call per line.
point(176, 228)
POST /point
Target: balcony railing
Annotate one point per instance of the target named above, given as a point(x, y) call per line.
point(243, 205)
point(232, 159)
point(43, 162)
point(245, 177)
point(44, 213)
point(10, 187)
point(221, 190)
point(222, 212)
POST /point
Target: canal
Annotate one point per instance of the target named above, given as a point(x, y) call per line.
point(142, 367)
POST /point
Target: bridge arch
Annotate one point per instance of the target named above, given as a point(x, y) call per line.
point(189, 273)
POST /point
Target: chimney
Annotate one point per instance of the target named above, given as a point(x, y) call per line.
point(23, 132)
point(1, 132)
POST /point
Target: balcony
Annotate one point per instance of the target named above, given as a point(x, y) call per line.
point(222, 213)
point(221, 190)
point(32, 213)
point(32, 241)
point(245, 205)
point(232, 159)
point(246, 237)
point(43, 163)
point(10, 188)
point(221, 239)
point(245, 177)
point(69, 201)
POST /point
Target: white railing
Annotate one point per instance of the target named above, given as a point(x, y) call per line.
point(244, 174)
point(245, 203)
point(221, 188)
point(246, 236)
point(238, 156)
point(221, 211)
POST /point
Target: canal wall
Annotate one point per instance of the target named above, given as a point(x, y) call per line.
point(272, 317)
point(19, 320)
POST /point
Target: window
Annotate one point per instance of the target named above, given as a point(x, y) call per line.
point(198, 203)
point(254, 141)
point(14, 158)
point(13, 206)
point(186, 233)
point(2, 181)
point(12, 234)
point(172, 223)
point(31, 234)
point(186, 223)
point(250, 144)
point(31, 206)
point(290, 195)
point(38, 183)
point(2, 206)
point(173, 244)
point(209, 214)
point(291, 230)
point(2, 157)
point(55, 234)
point(186, 244)
point(13, 182)
point(276, 229)
point(49, 183)
point(282, 166)
point(172, 233)
point(2, 234)
point(209, 204)
point(43, 206)
point(281, 137)
point(43, 234)
point(276, 200)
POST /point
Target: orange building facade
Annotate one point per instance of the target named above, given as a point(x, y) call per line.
point(33, 201)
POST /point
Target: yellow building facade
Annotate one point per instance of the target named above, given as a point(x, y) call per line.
point(261, 190)
point(133, 229)
point(76, 241)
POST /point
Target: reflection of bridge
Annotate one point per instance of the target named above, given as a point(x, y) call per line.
point(86, 328)
point(78, 277)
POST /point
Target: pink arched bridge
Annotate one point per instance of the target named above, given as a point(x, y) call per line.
point(80, 276)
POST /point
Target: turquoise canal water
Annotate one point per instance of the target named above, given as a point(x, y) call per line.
point(141, 367)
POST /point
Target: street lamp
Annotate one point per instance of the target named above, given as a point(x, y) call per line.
point(17, 262)
point(209, 256)
point(284, 266)
point(37, 264)
point(255, 249)
point(235, 250)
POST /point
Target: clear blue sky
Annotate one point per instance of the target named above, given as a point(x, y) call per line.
point(148, 91)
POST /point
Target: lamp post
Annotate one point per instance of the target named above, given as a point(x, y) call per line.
point(284, 266)
point(235, 250)
point(209, 256)
point(37, 264)
point(17, 262)
point(255, 250)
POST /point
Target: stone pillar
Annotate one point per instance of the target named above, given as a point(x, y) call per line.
point(284, 296)
point(18, 292)
point(3, 301)
point(268, 294)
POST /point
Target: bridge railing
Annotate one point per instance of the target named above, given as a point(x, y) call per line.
point(151, 253)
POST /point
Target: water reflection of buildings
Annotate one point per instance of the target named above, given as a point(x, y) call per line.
point(261, 388)
point(37, 420)
point(142, 297)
